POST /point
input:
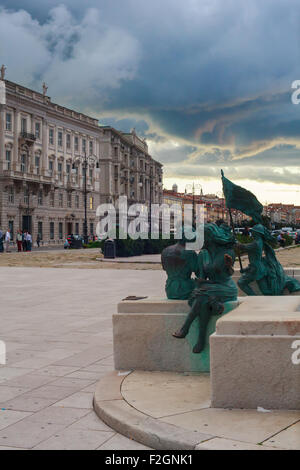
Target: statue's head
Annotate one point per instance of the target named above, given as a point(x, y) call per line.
point(219, 235)
point(259, 231)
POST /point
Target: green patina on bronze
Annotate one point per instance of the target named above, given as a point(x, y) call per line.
point(180, 264)
point(207, 294)
point(264, 268)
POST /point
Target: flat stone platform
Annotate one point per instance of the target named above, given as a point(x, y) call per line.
point(142, 331)
point(169, 411)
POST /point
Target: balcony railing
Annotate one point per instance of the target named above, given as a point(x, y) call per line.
point(28, 136)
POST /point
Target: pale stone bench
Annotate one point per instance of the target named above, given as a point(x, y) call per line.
point(142, 332)
point(255, 355)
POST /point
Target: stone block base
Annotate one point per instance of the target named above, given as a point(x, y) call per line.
point(143, 340)
point(255, 355)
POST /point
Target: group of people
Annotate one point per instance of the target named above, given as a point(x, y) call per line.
point(23, 239)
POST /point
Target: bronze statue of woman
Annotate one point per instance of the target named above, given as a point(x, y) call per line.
point(217, 286)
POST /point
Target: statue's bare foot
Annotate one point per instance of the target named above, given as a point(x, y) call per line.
point(180, 334)
point(198, 348)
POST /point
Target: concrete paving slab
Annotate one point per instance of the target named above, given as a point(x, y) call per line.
point(27, 433)
point(8, 417)
point(245, 425)
point(122, 443)
point(162, 394)
point(289, 438)
point(75, 439)
point(77, 400)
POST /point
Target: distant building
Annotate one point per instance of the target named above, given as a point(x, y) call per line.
point(41, 171)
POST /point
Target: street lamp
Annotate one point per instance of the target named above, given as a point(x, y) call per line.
point(191, 188)
point(86, 161)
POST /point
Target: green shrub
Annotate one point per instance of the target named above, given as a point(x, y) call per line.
point(288, 240)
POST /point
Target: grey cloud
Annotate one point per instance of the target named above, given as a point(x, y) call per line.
point(215, 75)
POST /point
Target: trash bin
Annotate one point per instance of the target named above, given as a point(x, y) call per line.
point(109, 248)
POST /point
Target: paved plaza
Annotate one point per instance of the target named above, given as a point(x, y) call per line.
point(57, 327)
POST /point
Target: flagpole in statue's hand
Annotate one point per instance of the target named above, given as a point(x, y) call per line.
point(231, 221)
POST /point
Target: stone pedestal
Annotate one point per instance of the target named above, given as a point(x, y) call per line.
point(255, 355)
point(142, 331)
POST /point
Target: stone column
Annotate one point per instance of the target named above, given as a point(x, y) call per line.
point(16, 140)
point(44, 145)
point(2, 136)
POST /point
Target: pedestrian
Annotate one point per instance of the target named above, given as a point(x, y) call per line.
point(1, 241)
point(38, 240)
point(281, 240)
point(19, 240)
point(24, 240)
point(29, 241)
point(7, 241)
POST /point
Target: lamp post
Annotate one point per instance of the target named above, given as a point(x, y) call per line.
point(86, 161)
point(192, 188)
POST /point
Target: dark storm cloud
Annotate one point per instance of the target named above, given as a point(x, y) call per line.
point(214, 75)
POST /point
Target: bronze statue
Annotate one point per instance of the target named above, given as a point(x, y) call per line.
point(265, 270)
point(216, 286)
point(179, 265)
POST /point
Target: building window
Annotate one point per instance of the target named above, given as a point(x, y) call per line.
point(23, 125)
point(37, 165)
point(51, 167)
point(69, 200)
point(60, 138)
point(77, 201)
point(68, 142)
point(37, 130)
point(52, 199)
point(51, 136)
point(91, 202)
point(60, 230)
point(91, 147)
point(51, 230)
point(8, 126)
point(83, 145)
point(77, 228)
point(59, 170)
point(26, 196)
point(11, 195)
point(23, 163)
point(90, 175)
point(8, 159)
point(91, 229)
point(76, 144)
point(61, 200)
point(11, 228)
point(40, 197)
point(68, 171)
point(116, 151)
point(40, 230)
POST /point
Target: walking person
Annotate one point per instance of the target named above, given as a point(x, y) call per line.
point(281, 240)
point(29, 241)
point(24, 240)
point(38, 240)
point(19, 240)
point(7, 241)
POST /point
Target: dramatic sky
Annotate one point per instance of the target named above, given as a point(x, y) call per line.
point(207, 82)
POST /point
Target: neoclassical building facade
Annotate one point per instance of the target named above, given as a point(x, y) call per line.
point(42, 175)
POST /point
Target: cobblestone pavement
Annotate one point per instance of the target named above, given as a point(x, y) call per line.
point(57, 327)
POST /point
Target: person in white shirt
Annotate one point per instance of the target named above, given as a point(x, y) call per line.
point(7, 240)
point(29, 241)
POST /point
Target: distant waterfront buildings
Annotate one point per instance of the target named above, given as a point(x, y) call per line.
point(42, 145)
